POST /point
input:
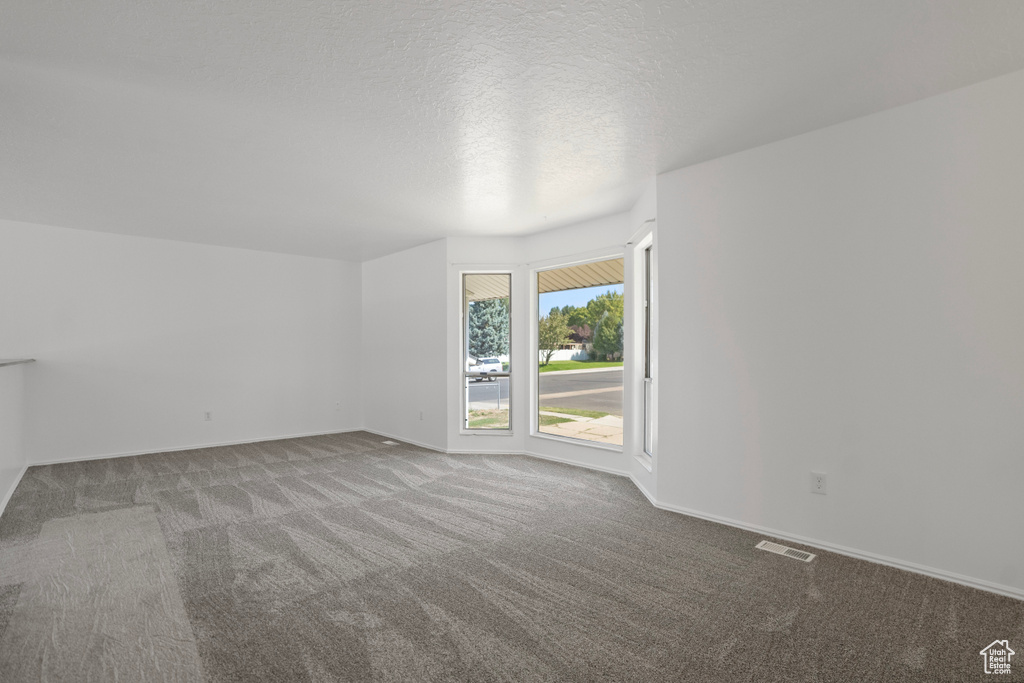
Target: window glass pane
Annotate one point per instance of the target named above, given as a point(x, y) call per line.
point(580, 351)
point(487, 336)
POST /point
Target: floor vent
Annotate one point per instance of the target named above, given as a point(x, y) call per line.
point(784, 550)
point(390, 442)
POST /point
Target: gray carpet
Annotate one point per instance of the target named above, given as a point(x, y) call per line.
point(339, 558)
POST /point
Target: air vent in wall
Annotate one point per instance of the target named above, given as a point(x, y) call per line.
point(784, 550)
point(390, 443)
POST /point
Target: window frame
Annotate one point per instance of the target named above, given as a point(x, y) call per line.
point(464, 429)
point(608, 254)
point(642, 378)
point(649, 414)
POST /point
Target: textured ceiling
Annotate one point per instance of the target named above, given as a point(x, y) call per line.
point(354, 129)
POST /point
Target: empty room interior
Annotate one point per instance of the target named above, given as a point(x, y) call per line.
point(493, 341)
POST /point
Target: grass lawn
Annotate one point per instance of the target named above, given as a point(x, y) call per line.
point(498, 419)
point(572, 411)
point(579, 365)
point(488, 419)
point(546, 420)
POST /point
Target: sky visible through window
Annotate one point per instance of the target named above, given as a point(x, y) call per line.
point(573, 297)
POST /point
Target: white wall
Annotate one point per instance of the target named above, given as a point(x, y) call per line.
point(136, 338)
point(404, 345)
point(12, 449)
point(578, 240)
point(852, 301)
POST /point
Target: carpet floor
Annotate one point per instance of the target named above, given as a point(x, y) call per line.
point(341, 558)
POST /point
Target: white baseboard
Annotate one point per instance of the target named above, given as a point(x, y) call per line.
point(175, 449)
point(404, 440)
point(934, 573)
point(643, 490)
point(10, 491)
point(576, 463)
point(477, 451)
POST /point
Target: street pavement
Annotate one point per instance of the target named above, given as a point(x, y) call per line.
point(601, 390)
point(484, 395)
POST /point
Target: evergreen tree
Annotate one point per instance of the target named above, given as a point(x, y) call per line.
point(488, 328)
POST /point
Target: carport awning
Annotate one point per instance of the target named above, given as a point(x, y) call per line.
point(483, 286)
point(594, 274)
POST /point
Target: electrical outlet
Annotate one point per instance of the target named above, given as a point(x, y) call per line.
point(208, 416)
point(337, 406)
point(818, 483)
point(421, 416)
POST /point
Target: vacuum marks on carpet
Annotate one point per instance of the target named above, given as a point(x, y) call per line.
point(101, 605)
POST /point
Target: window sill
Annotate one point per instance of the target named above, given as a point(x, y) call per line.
point(645, 460)
point(579, 442)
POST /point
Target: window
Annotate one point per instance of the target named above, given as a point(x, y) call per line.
point(648, 369)
point(487, 347)
point(580, 348)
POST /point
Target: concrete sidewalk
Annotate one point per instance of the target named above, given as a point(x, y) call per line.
point(569, 372)
point(607, 429)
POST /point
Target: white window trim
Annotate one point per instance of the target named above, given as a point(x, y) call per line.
point(641, 239)
point(489, 269)
point(534, 377)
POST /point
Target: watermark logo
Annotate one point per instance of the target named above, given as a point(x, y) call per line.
point(997, 657)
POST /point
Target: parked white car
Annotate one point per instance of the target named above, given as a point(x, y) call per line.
point(486, 365)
